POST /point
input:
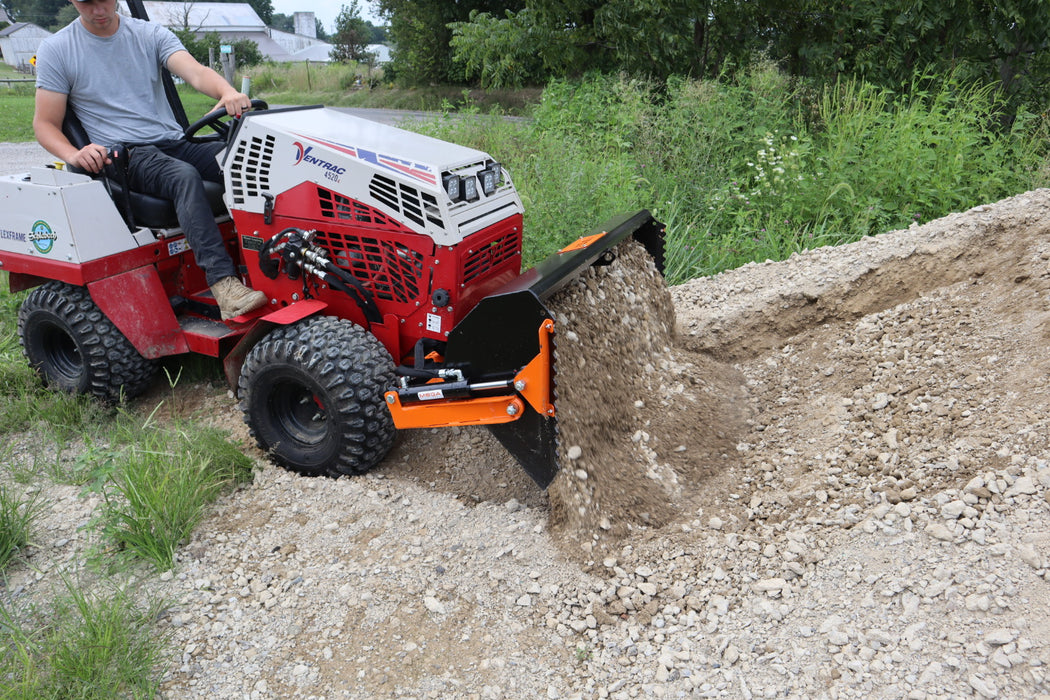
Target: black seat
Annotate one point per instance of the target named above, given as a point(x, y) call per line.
point(145, 209)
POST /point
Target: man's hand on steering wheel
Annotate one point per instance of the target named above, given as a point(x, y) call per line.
point(214, 118)
point(235, 103)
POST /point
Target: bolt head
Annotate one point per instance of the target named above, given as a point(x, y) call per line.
point(512, 410)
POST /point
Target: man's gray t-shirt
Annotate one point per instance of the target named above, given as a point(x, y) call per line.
point(113, 83)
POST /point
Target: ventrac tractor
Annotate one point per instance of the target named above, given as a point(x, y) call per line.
point(392, 266)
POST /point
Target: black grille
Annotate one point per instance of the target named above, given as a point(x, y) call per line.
point(391, 270)
point(336, 206)
point(406, 200)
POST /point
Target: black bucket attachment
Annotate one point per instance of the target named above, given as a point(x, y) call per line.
point(499, 336)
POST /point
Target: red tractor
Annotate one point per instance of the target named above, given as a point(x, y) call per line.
point(392, 265)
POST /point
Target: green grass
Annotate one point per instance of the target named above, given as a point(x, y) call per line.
point(158, 482)
point(16, 114)
point(758, 168)
point(89, 646)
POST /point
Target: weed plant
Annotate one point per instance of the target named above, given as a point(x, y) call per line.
point(17, 515)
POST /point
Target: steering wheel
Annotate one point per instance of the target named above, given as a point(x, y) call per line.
point(214, 120)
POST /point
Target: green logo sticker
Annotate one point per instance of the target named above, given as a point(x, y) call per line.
point(42, 237)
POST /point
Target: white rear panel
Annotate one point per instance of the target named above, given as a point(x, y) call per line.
point(60, 216)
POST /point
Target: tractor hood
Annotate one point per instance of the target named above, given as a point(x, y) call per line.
point(434, 188)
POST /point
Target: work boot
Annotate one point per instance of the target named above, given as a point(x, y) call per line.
point(234, 298)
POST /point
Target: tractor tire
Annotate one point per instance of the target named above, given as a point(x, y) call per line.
point(312, 396)
point(71, 344)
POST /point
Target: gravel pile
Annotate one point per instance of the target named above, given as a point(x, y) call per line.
point(857, 441)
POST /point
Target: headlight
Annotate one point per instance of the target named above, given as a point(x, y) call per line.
point(453, 187)
point(470, 189)
point(490, 177)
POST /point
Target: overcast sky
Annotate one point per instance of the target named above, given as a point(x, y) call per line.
point(326, 10)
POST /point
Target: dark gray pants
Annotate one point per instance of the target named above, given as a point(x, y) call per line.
point(174, 170)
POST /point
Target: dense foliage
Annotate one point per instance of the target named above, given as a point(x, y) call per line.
point(421, 34)
point(1006, 44)
point(758, 166)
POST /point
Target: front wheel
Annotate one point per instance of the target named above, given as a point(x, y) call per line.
point(74, 347)
point(312, 396)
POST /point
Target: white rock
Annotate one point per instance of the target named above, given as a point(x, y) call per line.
point(983, 687)
point(1001, 636)
point(769, 585)
point(1024, 485)
point(939, 532)
point(1031, 556)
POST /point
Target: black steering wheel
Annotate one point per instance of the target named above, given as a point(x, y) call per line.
point(214, 120)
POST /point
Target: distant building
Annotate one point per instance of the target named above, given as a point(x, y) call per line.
point(19, 42)
point(237, 20)
point(381, 51)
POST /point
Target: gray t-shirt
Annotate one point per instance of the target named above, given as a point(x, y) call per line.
point(113, 83)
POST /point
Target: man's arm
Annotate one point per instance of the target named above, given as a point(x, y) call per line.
point(204, 79)
point(50, 110)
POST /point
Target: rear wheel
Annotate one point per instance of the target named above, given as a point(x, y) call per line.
point(312, 396)
point(75, 348)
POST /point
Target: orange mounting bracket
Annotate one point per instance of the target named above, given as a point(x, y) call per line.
point(532, 383)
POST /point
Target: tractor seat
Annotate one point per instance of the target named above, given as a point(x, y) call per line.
point(147, 210)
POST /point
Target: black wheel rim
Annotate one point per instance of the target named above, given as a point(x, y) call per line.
point(298, 413)
point(60, 353)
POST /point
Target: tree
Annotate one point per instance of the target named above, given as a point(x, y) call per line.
point(263, 8)
point(282, 22)
point(420, 32)
point(572, 37)
point(351, 35)
point(1002, 43)
point(245, 51)
point(66, 15)
point(39, 12)
point(498, 52)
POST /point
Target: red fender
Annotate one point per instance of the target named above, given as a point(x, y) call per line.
point(231, 364)
point(136, 303)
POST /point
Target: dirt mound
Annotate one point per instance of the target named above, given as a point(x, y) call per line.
point(635, 415)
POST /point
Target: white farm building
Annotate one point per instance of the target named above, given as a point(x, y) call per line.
point(19, 41)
